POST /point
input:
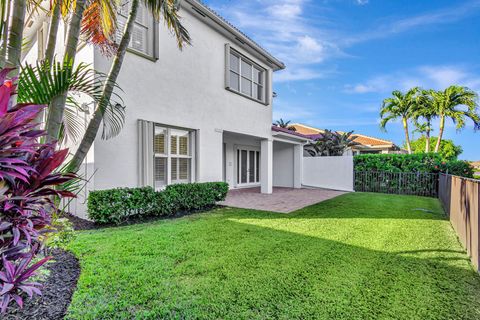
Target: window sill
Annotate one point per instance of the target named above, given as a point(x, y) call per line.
point(246, 96)
point(141, 54)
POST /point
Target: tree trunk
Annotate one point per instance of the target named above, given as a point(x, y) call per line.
point(57, 106)
point(407, 135)
point(15, 36)
point(52, 34)
point(6, 21)
point(427, 134)
point(440, 132)
point(96, 120)
point(427, 141)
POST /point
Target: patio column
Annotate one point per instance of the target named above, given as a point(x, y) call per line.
point(266, 165)
point(297, 166)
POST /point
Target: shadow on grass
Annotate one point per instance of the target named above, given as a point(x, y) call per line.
point(219, 266)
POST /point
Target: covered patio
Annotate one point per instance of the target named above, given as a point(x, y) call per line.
point(281, 200)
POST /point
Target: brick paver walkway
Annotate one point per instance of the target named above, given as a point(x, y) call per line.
point(281, 200)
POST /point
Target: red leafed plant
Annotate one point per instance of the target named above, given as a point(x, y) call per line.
point(28, 184)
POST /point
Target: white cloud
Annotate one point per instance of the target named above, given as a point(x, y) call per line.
point(434, 77)
point(362, 2)
point(442, 16)
point(287, 30)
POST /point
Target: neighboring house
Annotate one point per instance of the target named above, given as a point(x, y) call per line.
point(476, 167)
point(201, 114)
point(365, 144)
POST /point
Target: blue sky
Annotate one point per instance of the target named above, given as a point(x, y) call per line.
point(344, 57)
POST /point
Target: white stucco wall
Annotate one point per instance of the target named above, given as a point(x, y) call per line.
point(328, 172)
point(283, 164)
point(185, 89)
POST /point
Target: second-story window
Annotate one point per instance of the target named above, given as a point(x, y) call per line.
point(246, 77)
point(143, 38)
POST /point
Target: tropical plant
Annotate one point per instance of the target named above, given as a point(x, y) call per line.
point(42, 83)
point(412, 163)
point(448, 150)
point(27, 182)
point(331, 143)
point(423, 114)
point(447, 105)
point(284, 124)
point(16, 25)
point(400, 106)
point(168, 9)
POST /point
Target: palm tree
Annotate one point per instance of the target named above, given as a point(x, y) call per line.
point(15, 33)
point(425, 109)
point(5, 19)
point(57, 105)
point(401, 106)
point(331, 143)
point(446, 104)
point(91, 18)
point(168, 9)
point(284, 124)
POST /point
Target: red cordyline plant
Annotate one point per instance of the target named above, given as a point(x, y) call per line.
point(27, 189)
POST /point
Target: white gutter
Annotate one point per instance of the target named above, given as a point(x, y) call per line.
point(248, 44)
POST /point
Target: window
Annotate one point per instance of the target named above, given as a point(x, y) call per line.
point(173, 155)
point(245, 77)
point(143, 38)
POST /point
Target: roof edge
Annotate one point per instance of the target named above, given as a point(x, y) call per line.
point(201, 8)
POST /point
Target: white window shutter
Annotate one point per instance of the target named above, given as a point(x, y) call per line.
point(145, 153)
point(227, 65)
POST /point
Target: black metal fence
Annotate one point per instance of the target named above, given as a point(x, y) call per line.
point(420, 184)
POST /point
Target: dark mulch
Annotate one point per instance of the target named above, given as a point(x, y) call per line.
point(56, 293)
point(82, 224)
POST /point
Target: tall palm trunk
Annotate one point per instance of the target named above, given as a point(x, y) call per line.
point(440, 132)
point(14, 45)
point(407, 135)
point(52, 34)
point(5, 24)
point(57, 105)
point(96, 120)
point(427, 140)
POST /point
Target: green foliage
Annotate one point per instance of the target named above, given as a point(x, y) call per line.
point(196, 196)
point(419, 162)
point(123, 204)
point(357, 256)
point(448, 150)
point(331, 143)
point(63, 235)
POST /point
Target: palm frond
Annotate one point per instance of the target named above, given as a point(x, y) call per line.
point(168, 9)
point(40, 84)
point(99, 24)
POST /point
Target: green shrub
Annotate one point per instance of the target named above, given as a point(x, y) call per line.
point(123, 204)
point(422, 162)
point(196, 196)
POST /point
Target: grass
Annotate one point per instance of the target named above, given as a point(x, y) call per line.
point(358, 256)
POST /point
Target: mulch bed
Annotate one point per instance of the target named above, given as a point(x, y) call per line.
point(56, 293)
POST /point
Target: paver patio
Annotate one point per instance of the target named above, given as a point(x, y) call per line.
point(281, 200)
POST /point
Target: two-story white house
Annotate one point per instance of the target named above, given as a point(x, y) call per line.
point(201, 114)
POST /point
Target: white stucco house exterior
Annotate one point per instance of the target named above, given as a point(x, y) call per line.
point(197, 115)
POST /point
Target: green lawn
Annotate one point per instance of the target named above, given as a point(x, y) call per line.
point(358, 256)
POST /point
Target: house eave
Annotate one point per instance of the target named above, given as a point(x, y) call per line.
point(221, 25)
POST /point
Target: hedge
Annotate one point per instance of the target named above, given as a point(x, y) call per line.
point(122, 204)
point(421, 162)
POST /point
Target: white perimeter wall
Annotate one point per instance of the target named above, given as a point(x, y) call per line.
point(328, 172)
